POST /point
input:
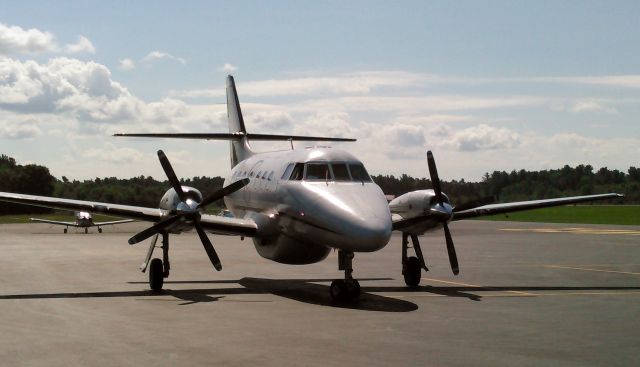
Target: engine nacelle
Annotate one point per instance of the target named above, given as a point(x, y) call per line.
point(170, 199)
point(414, 203)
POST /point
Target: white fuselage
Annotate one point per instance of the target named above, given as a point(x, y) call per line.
point(328, 203)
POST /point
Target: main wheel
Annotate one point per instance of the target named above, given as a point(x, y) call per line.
point(65, 230)
point(156, 275)
point(353, 288)
point(412, 272)
point(338, 290)
point(99, 230)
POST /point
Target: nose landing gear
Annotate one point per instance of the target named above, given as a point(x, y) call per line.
point(347, 288)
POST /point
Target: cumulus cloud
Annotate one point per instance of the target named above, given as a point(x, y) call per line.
point(16, 40)
point(270, 121)
point(127, 64)
point(159, 55)
point(483, 137)
point(228, 68)
point(82, 45)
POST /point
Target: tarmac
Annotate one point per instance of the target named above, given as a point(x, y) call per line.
point(528, 294)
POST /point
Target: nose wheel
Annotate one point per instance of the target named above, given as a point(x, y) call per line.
point(348, 288)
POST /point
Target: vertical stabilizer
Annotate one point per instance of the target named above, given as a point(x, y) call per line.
point(240, 149)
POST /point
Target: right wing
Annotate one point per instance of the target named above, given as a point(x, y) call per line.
point(70, 224)
point(213, 223)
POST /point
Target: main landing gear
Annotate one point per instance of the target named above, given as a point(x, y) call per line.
point(158, 269)
point(347, 288)
point(411, 266)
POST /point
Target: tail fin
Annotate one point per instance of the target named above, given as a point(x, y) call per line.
point(239, 149)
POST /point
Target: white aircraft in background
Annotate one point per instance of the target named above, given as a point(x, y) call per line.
point(296, 205)
point(83, 220)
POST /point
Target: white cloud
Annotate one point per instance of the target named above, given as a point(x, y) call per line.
point(159, 55)
point(349, 83)
point(127, 64)
point(270, 122)
point(16, 40)
point(591, 106)
point(21, 128)
point(228, 68)
point(82, 45)
point(483, 137)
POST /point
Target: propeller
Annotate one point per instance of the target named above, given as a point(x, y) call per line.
point(187, 211)
point(442, 212)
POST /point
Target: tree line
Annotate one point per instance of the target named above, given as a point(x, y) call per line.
point(498, 186)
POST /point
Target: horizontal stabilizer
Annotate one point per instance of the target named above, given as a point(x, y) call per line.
point(236, 136)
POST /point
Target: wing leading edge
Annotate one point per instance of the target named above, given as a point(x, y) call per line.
point(230, 226)
point(527, 205)
point(70, 224)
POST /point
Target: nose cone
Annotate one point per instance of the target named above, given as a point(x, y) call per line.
point(355, 217)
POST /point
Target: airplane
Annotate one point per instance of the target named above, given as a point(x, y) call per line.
point(83, 220)
point(297, 205)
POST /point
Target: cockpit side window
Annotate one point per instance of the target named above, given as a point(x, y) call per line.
point(358, 173)
point(340, 172)
point(298, 172)
point(317, 171)
point(287, 172)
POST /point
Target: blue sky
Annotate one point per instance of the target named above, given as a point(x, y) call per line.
point(485, 85)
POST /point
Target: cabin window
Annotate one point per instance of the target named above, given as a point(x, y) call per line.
point(358, 173)
point(287, 172)
point(317, 171)
point(264, 175)
point(340, 172)
point(298, 172)
point(270, 176)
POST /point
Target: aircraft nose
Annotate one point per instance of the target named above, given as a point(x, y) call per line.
point(366, 233)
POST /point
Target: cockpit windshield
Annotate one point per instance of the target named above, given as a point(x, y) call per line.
point(328, 171)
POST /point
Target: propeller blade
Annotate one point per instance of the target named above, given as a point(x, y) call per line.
point(208, 247)
point(171, 175)
point(227, 190)
point(453, 259)
point(433, 174)
point(141, 236)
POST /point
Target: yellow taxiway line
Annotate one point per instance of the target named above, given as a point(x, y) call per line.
point(576, 230)
point(590, 269)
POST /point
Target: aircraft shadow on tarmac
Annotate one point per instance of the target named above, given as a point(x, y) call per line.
point(306, 291)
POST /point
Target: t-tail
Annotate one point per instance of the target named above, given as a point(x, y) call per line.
point(239, 149)
point(238, 135)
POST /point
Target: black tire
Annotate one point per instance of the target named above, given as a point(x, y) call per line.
point(99, 230)
point(65, 230)
point(412, 272)
point(338, 290)
point(156, 275)
point(353, 289)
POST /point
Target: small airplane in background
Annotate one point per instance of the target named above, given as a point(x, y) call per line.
point(83, 220)
point(297, 205)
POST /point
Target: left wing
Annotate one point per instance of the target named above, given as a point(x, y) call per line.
point(213, 223)
point(526, 205)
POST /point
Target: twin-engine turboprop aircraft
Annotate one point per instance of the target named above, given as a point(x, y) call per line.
point(296, 205)
point(83, 220)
